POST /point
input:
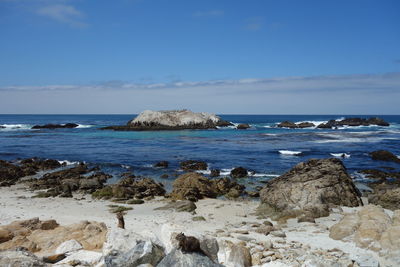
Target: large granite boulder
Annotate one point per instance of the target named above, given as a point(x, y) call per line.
point(311, 187)
point(384, 156)
point(20, 257)
point(172, 120)
point(193, 186)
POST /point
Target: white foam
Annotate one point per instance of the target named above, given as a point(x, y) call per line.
point(12, 127)
point(84, 126)
point(67, 162)
point(340, 155)
point(289, 152)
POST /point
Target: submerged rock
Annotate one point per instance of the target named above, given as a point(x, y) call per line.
point(161, 164)
point(384, 156)
point(193, 165)
point(311, 187)
point(56, 126)
point(171, 120)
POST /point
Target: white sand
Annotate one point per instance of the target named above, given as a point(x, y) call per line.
point(16, 204)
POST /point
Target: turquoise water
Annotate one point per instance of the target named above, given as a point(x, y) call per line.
point(256, 148)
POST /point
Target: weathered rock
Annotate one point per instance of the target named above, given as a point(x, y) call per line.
point(239, 172)
point(56, 126)
point(193, 165)
point(54, 258)
point(180, 206)
point(68, 246)
point(310, 187)
point(243, 126)
point(210, 247)
point(384, 156)
point(177, 258)
point(161, 164)
point(9, 173)
point(225, 186)
point(82, 258)
point(345, 227)
point(5, 235)
point(171, 120)
point(29, 234)
point(19, 258)
point(192, 186)
point(145, 252)
point(235, 255)
point(388, 198)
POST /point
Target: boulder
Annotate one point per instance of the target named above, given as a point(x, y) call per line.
point(305, 125)
point(21, 258)
point(384, 156)
point(345, 227)
point(177, 258)
point(56, 126)
point(5, 235)
point(226, 185)
point(171, 120)
point(215, 173)
point(387, 198)
point(193, 186)
point(310, 187)
point(193, 165)
point(354, 122)
point(235, 255)
point(144, 252)
point(68, 246)
point(239, 172)
point(82, 258)
point(243, 126)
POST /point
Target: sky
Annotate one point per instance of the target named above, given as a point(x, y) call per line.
point(222, 56)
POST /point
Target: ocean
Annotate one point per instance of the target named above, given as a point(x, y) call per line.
point(265, 149)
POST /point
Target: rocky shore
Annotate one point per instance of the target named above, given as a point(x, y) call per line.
point(313, 215)
point(336, 123)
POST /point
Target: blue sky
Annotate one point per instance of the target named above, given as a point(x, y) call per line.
point(266, 56)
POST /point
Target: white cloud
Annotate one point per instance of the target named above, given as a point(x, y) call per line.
point(63, 13)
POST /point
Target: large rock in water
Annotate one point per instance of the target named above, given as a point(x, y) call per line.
point(384, 156)
point(171, 120)
point(311, 187)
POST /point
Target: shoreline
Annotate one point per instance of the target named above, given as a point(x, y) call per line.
point(226, 220)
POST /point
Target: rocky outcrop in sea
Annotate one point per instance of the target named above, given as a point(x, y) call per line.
point(150, 120)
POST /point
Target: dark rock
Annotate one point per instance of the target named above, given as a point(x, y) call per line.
point(388, 198)
point(377, 121)
point(193, 165)
point(9, 173)
point(54, 258)
point(384, 155)
point(329, 125)
point(287, 124)
point(305, 125)
point(56, 126)
point(39, 164)
point(310, 187)
point(161, 164)
point(215, 173)
point(253, 194)
point(225, 186)
point(243, 126)
point(164, 176)
point(239, 172)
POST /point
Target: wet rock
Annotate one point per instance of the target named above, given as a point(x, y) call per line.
point(384, 156)
point(243, 126)
point(144, 252)
point(56, 126)
point(193, 165)
point(179, 259)
point(310, 187)
point(215, 173)
point(287, 124)
point(305, 125)
point(161, 164)
point(9, 173)
point(37, 164)
point(180, 206)
point(239, 172)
